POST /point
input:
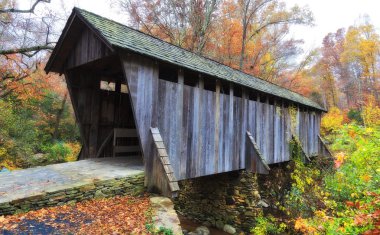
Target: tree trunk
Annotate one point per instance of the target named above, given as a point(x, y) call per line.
point(59, 117)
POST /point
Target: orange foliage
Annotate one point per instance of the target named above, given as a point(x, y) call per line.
point(28, 83)
point(339, 159)
point(302, 226)
point(118, 215)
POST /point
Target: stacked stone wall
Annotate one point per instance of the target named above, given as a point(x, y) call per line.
point(224, 200)
point(131, 185)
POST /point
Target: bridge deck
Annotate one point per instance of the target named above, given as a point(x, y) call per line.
point(25, 183)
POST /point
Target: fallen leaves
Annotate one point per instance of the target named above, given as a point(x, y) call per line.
point(118, 215)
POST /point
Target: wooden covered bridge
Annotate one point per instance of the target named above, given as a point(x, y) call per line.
point(186, 115)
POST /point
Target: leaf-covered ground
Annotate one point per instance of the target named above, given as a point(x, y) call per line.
point(118, 215)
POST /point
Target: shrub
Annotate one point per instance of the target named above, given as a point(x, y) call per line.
point(352, 198)
point(268, 225)
point(371, 113)
point(355, 115)
point(58, 152)
point(331, 121)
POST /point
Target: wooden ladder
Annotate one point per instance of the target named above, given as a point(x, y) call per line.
point(124, 133)
point(163, 176)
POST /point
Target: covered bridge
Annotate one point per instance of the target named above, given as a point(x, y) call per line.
point(186, 115)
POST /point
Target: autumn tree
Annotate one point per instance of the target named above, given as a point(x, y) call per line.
point(249, 35)
point(361, 54)
point(347, 69)
point(301, 78)
point(185, 23)
point(261, 15)
point(25, 34)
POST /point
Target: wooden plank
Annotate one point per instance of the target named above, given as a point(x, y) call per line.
point(258, 120)
point(180, 154)
point(160, 145)
point(122, 133)
point(222, 128)
point(235, 135)
point(277, 134)
point(171, 115)
point(157, 137)
point(230, 131)
point(195, 149)
point(168, 169)
point(288, 132)
point(87, 49)
point(199, 168)
point(185, 133)
point(174, 187)
point(217, 125)
point(283, 133)
point(325, 148)
point(264, 145)
point(95, 108)
point(270, 131)
point(203, 134)
point(257, 150)
point(162, 174)
point(162, 152)
point(243, 128)
point(190, 127)
point(210, 137)
point(127, 149)
point(165, 160)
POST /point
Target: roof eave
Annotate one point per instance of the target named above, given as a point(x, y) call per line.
point(74, 14)
point(119, 49)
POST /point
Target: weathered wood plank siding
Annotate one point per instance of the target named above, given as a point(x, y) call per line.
point(88, 48)
point(205, 131)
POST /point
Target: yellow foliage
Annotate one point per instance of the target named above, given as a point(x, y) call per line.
point(74, 151)
point(332, 121)
point(8, 164)
point(371, 113)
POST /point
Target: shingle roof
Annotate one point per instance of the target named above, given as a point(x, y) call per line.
point(122, 36)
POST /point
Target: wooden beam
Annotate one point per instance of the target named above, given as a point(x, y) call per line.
point(217, 123)
point(324, 145)
point(125, 133)
point(200, 130)
point(126, 149)
point(106, 140)
point(257, 150)
point(181, 157)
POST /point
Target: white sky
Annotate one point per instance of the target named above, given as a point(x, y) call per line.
point(329, 15)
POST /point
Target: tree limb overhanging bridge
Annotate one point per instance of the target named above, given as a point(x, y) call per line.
point(188, 116)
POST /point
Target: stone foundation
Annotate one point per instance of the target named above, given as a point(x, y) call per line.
point(225, 199)
point(131, 185)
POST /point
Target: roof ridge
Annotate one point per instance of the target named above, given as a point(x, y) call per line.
point(314, 104)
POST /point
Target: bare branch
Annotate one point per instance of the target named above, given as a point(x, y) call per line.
point(30, 10)
point(26, 50)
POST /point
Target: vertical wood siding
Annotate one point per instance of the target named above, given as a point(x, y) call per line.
point(87, 48)
point(205, 131)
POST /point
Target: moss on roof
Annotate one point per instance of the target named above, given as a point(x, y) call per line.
point(124, 37)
